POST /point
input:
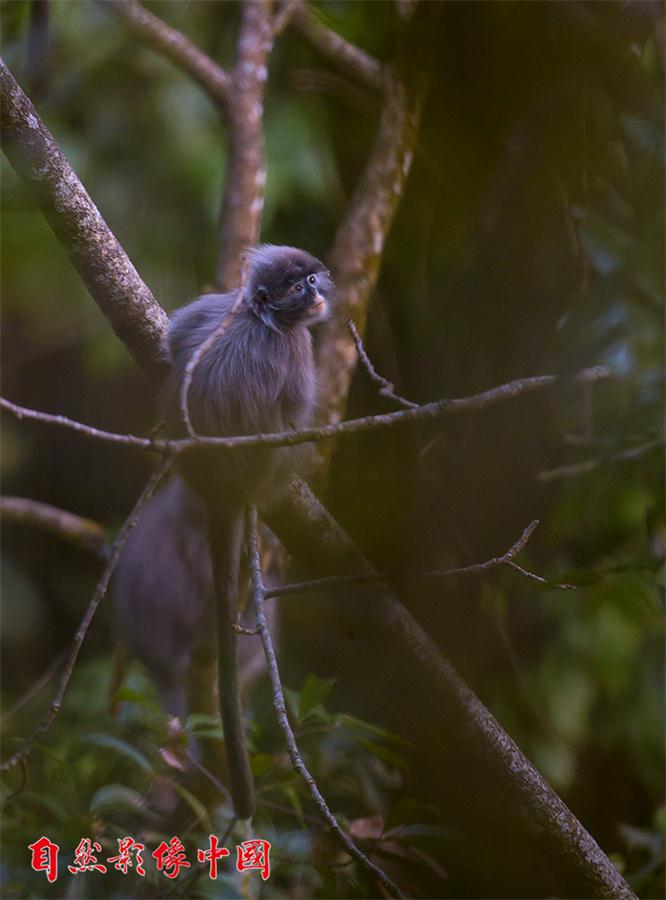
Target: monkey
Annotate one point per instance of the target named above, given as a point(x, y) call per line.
point(258, 376)
point(162, 590)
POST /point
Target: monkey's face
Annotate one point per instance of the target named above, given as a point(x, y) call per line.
point(287, 287)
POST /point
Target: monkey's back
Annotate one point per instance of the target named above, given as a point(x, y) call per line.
point(253, 380)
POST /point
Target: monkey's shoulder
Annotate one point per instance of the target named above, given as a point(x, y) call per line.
point(191, 324)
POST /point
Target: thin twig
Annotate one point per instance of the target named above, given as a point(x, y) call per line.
point(84, 532)
point(176, 47)
point(506, 559)
point(386, 388)
point(214, 780)
point(426, 412)
point(533, 577)
point(91, 609)
point(589, 465)
point(196, 358)
point(347, 57)
point(239, 629)
point(259, 594)
point(34, 688)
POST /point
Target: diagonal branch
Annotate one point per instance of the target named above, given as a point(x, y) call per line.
point(83, 532)
point(386, 388)
point(81, 632)
point(346, 57)
point(258, 594)
point(359, 242)
point(172, 44)
point(476, 749)
point(113, 282)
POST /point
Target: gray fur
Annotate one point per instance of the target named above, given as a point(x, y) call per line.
point(162, 589)
point(258, 377)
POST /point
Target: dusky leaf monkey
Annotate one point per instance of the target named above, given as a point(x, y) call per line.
point(257, 376)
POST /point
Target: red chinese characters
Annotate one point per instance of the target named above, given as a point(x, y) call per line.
point(85, 859)
point(129, 853)
point(212, 855)
point(254, 855)
point(45, 857)
point(170, 858)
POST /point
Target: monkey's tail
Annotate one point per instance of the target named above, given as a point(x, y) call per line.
point(225, 530)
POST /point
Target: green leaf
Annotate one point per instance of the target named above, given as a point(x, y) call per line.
point(315, 691)
point(117, 798)
point(390, 757)
point(201, 720)
point(130, 695)
point(262, 763)
point(110, 742)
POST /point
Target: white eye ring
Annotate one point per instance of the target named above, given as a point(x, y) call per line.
point(312, 279)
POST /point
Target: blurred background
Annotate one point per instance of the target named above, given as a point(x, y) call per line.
point(530, 241)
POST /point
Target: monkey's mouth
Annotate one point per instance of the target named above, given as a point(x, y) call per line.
point(318, 308)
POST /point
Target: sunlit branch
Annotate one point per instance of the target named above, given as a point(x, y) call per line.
point(258, 595)
point(245, 178)
point(346, 57)
point(356, 255)
point(283, 15)
point(172, 44)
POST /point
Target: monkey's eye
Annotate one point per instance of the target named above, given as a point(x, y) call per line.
point(312, 279)
point(298, 288)
point(262, 294)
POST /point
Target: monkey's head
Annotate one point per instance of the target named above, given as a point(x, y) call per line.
point(286, 287)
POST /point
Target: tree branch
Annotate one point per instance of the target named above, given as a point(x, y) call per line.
point(100, 592)
point(82, 532)
point(359, 241)
point(506, 559)
point(113, 282)
point(258, 595)
point(172, 44)
point(243, 201)
point(347, 58)
point(589, 465)
point(477, 750)
point(386, 388)
point(428, 412)
point(484, 752)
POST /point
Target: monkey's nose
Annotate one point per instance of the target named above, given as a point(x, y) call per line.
point(318, 304)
